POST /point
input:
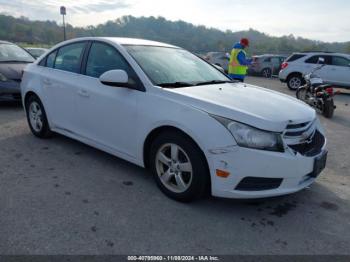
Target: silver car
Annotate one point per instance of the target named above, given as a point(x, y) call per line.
point(266, 65)
point(335, 72)
point(218, 58)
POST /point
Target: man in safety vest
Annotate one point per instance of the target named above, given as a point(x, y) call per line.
point(238, 65)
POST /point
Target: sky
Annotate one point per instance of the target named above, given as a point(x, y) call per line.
point(314, 19)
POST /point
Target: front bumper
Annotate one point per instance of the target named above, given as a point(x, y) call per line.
point(10, 90)
point(293, 169)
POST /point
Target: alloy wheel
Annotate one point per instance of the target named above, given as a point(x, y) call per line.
point(36, 116)
point(295, 82)
point(174, 168)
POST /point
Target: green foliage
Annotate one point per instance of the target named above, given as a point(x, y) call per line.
point(199, 39)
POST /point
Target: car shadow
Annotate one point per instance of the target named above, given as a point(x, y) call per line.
point(10, 104)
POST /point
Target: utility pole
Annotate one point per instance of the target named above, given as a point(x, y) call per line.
point(63, 13)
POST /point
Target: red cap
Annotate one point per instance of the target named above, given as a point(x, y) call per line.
point(244, 42)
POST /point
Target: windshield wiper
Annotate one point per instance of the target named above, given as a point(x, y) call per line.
point(214, 82)
point(175, 84)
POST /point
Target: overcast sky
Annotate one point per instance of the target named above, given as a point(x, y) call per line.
point(315, 19)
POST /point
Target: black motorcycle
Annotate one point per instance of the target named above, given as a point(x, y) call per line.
point(317, 94)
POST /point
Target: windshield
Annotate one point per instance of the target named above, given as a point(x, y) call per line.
point(165, 65)
point(13, 53)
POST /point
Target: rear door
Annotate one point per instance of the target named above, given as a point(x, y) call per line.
point(340, 71)
point(59, 81)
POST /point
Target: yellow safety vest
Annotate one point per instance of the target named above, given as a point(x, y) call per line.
point(235, 68)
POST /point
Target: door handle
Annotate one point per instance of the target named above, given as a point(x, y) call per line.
point(83, 93)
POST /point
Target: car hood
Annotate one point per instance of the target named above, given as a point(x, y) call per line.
point(12, 70)
point(252, 105)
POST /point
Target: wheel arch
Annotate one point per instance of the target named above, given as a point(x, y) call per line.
point(27, 95)
point(294, 73)
point(163, 129)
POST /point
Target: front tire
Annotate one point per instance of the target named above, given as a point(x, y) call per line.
point(36, 117)
point(302, 94)
point(179, 167)
point(328, 108)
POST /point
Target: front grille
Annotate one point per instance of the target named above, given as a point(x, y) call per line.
point(258, 184)
point(312, 147)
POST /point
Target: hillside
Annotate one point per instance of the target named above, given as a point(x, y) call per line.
point(195, 38)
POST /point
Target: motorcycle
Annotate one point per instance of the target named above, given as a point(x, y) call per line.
point(317, 94)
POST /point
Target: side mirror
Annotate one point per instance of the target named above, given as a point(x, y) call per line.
point(321, 60)
point(115, 78)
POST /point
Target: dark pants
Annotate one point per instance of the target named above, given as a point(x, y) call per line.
point(239, 79)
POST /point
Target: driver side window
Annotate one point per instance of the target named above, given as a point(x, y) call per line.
point(103, 57)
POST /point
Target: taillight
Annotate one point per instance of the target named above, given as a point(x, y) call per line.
point(330, 90)
point(284, 65)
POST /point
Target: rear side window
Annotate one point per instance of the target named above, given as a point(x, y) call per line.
point(69, 57)
point(340, 61)
point(314, 59)
point(275, 60)
point(267, 60)
point(294, 57)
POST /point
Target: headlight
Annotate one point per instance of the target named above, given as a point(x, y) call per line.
point(247, 136)
point(3, 78)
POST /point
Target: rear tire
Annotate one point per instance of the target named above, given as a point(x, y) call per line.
point(328, 108)
point(36, 117)
point(179, 167)
point(266, 72)
point(294, 81)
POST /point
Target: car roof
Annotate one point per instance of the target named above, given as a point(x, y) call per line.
point(267, 55)
point(5, 42)
point(320, 53)
point(121, 41)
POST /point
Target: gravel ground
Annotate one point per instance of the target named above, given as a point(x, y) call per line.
point(59, 196)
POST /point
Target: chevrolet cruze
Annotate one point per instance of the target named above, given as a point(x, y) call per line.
point(165, 109)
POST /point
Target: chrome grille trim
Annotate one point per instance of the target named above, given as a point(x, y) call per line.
point(299, 132)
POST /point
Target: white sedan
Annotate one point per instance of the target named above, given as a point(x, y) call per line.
point(163, 108)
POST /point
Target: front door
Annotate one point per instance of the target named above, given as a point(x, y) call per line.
point(108, 114)
point(340, 71)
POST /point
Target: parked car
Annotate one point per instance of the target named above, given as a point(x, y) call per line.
point(13, 59)
point(36, 52)
point(266, 65)
point(218, 58)
point(163, 108)
point(336, 72)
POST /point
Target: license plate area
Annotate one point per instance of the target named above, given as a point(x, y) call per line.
point(319, 164)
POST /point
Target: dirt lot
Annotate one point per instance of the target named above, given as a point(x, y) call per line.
point(59, 196)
